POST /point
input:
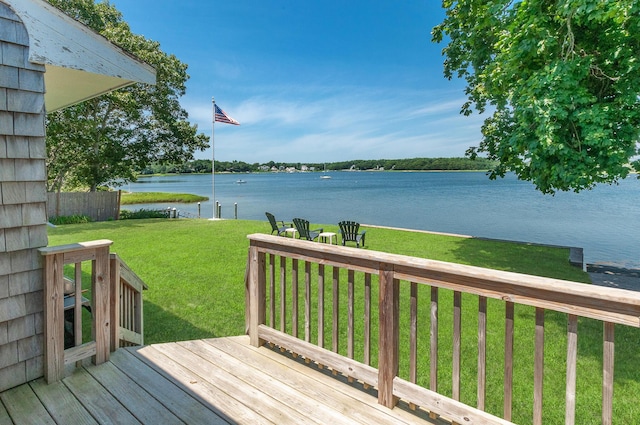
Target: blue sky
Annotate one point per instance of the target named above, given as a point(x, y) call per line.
point(313, 81)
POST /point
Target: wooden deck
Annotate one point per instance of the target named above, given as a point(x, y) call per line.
point(213, 381)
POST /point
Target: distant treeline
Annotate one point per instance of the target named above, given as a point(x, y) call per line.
point(411, 164)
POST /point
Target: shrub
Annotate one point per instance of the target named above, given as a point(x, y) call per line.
point(142, 213)
point(69, 219)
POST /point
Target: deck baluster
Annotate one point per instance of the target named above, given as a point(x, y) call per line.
point(307, 301)
point(508, 360)
point(350, 319)
point(294, 297)
point(272, 290)
point(482, 351)
point(283, 293)
point(457, 331)
point(433, 337)
point(607, 373)
point(538, 376)
point(321, 305)
point(335, 336)
point(413, 333)
point(367, 319)
point(572, 356)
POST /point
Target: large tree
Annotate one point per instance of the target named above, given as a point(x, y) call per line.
point(110, 137)
point(561, 80)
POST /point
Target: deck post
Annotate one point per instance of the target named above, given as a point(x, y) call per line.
point(247, 295)
point(257, 291)
point(54, 318)
point(101, 304)
point(389, 307)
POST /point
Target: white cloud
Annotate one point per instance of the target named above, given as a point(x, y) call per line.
point(327, 124)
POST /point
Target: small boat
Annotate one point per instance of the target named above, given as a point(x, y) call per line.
point(240, 181)
point(324, 175)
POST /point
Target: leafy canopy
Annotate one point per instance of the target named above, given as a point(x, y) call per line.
point(112, 136)
point(561, 80)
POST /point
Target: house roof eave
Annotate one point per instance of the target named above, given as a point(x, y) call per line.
point(79, 63)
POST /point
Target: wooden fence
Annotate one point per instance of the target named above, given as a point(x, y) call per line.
point(99, 206)
point(289, 283)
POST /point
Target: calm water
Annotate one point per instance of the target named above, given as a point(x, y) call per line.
point(604, 221)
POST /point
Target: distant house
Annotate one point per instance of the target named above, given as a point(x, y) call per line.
point(48, 61)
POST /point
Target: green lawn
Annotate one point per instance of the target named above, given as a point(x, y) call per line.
point(195, 272)
point(195, 268)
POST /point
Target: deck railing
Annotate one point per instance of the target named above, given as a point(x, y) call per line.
point(287, 302)
point(126, 305)
point(115, 305)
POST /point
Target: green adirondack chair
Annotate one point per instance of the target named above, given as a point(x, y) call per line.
point(350, 233)
point(277, 226)
point(302, 226)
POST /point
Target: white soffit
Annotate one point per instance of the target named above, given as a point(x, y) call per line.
point(79, 63)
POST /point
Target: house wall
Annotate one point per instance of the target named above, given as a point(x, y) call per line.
point(22, 205)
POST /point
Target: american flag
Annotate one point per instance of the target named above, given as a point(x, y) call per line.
point(221, 116)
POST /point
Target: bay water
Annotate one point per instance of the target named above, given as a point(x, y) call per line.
point(605, 221)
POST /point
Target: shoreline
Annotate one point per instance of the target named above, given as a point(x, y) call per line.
point(614, 277)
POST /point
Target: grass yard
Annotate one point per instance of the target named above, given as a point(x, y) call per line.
point(195, 272)
point(195, 268)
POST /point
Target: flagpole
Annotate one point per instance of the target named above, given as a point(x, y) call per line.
point(213, 157)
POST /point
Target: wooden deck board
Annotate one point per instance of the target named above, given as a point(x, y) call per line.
point(272, 408)
point(181, 404)
point(190, 382)
point(133, 397)
point(24, 407)
point(350, 394)
point(61, 404)
point(341, 396)
point(103, 406)
point(291, 396)
point(215, 381)
point(4, 416)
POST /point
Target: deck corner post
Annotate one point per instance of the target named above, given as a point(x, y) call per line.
point(54, 318)
point(389, 307)
point(100, 285)
point(256, 294)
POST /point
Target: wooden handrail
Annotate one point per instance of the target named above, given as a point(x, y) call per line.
point(596, 302)
point(116, 305)
point(270, 253)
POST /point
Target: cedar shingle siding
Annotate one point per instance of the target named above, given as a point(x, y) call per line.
point(22, 205)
